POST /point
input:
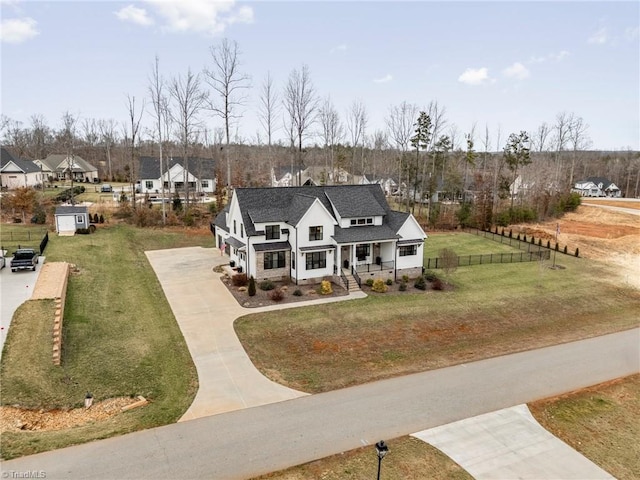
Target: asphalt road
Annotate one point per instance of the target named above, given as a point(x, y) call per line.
point(257, 440)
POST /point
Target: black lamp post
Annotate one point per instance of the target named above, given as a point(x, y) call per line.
point(382, 450)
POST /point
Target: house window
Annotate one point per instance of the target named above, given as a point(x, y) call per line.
point(362, 221)
point(234, 227)
point(315, 233)
point(205, 183)
point(316, 260)
point(148, 184)
point(293, 260)
point(274, 260)
point(407, 250)
point(272, 232)
point(79, 219)
point(192, 184)
point(241, 230)
point(362, 251)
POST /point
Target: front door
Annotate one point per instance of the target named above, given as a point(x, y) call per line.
point(345, 254)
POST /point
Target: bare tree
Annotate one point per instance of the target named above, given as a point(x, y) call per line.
point(108, 136)
point(229, 84)
point(332, 133)
point(188, 102)
point(134, 118)
point(400, 126)
point(486, 143)
point(561, 139)
point(40, 136)
point(156, 92)
point(579, 140)
point(67, 136)
point(540, 138)
point(268, 111)
point(90, 131)
point(357, 124)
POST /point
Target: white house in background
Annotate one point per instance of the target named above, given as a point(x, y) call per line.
point(313, 233)
point(70, 218)
point(63, 167)
point(200, 173)
point(597, 187)
point(15, 172)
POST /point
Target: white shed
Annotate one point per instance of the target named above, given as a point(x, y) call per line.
point(70, 218)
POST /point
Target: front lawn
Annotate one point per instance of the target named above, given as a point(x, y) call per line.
point(492, 310)
point(120, 339)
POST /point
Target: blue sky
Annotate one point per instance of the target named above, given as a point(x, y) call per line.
point(508, 65)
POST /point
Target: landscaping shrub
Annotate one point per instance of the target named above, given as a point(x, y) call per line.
point(276, 295)
point(510, 233)
point(379, 286)
point(577, 252)
point(420, 283)
point(389, 282)
point(430, 276)
point(405, 278)
point(548, 243)
point(267, 285)
point(101, 218)
point(83, 231)
point(239, 279)
point(369, 282)
point(565, 249)
point(437, 284)
point(557, 247)
point(403, 286)
point(325, 288)
point(252, 286)
point(297, 292)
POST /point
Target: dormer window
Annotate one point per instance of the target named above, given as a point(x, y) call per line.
point(272, 232)
point(361, 221)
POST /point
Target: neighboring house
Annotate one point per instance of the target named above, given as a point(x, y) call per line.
point(67, 167)
point(519, 187)
point(597, 187)
point(201, 175)
point(290, 176)
point(311, 233)
point(15, 172)
point(71, 218)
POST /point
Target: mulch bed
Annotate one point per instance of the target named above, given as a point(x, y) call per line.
point(262, 298)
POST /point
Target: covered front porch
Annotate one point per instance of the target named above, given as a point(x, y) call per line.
point(368, 259)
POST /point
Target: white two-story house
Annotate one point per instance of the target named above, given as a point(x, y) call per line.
point(199, 173)
point(313, 233)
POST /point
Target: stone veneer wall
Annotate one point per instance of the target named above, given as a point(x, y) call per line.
point(274, 273)
point(52, 284)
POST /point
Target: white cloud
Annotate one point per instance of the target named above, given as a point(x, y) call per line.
point(517, 71)
point(202, 16)
point(387, 78)
point(18, 30)
point(339, 48)
point(134, 15)
point(552, 57)
point(599, 38)
point(475, 76)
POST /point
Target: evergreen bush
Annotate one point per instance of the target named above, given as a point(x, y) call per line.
point(420, 283)
point(252, 286)
point(379, 286)
point(267, 285)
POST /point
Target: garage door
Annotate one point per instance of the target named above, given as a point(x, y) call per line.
point(66, 223)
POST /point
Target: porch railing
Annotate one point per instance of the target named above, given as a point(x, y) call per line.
point(345, 280)
point(374, 267)
point(356, 276)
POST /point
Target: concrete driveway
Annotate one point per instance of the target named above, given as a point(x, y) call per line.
point(15, 289)
point(205, 312)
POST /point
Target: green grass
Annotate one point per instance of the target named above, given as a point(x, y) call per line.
point(120, 339)
point(492, 310)
point(463, 244)
point(408, 459)
point(25, 236)
point(600, 422)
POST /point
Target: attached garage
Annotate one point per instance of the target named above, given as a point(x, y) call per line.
point(71, 218)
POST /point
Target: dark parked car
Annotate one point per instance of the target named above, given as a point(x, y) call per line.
point(23, 259)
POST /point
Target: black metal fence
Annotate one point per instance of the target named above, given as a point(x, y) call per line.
point(523, 242)
point(44, 242)
point(485, 259)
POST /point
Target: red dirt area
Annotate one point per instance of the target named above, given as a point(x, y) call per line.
point(600, 234)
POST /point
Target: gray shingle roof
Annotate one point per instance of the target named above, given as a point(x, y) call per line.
point(290, 204)
point(600, 180)
point(70, 209)
point(26, 166)
point(272, 246)
point(58, 162)
point(199, 167)
point(221, 219)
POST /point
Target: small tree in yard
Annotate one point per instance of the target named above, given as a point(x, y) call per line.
point(252, 286)
point(448, 260)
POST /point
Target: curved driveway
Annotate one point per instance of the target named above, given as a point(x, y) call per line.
point(205, 311)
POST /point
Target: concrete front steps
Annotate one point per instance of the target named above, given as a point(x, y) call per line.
point(353, 285)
